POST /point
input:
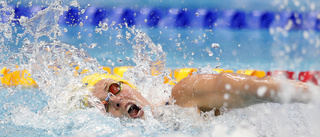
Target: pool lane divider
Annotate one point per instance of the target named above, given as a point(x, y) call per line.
point(23, 77)
point(177, 17)
point(282, 73)
point(310, 76)
point(16, 78)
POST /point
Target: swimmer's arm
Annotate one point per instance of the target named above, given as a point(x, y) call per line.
point(213, 91)
point(269, 88)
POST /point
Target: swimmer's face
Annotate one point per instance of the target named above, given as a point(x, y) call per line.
point(128, 102)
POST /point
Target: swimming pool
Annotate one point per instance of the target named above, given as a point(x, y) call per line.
point(45, 111)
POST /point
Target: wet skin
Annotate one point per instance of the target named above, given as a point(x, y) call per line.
point(205, 92)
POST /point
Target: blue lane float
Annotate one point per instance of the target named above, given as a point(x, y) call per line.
point(311, 21)
point(204, 18)
point(289, 20)
point(179, 18)
point(148, 17)
point(260, 19)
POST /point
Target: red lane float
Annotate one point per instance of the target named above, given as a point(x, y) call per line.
point(282, 73)
point(309, 76)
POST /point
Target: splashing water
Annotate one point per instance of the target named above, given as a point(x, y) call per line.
point(150, 70)
point(54, 108)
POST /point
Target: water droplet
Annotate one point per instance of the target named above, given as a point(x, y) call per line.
point(306, 34)
point(190, 62)
point(261, 91)
point(215, 45)
point(312, 6)
point(113, 23)
point(227, 86)
point(97, 30)
point(239, 45)
point(119, 36)
point(197, 14)
point(109, 61)
point(93, 45)
point(30, 4)
point(217, 66)
point(178, 44)
point(23, 20)
point(119, 60)
point(217, 58)
point(65, 30)
point(82, 11)
point(118, 43)
point(104, 26)
point(226, 96)
point(145, 20)
point(128, 35)
point(120, 26)
point(210, 54)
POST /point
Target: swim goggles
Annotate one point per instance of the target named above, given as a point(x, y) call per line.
point(112, 90)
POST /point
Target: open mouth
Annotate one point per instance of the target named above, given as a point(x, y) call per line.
point(134, 111)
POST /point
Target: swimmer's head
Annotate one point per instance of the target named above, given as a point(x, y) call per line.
point(119, 97)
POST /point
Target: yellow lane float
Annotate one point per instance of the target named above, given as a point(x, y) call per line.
point(120, 70)
point(220, 70)
point(22, 77)
point(180, 74)
point(257, 73)
point(15, 78)
point(167, 80)
point(107, 69)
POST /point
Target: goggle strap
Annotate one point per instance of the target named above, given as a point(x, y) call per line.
point(107, 98)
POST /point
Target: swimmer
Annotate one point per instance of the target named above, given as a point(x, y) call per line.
point(205, 92)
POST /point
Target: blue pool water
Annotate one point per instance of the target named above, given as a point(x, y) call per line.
point(49, 111)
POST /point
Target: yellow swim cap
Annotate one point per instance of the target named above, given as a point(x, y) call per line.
point(92, 79)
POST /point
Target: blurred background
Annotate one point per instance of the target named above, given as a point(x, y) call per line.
point(231, 34)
